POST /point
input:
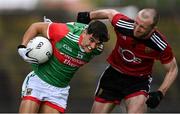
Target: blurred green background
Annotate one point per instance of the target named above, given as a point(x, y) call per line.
point(17, 15)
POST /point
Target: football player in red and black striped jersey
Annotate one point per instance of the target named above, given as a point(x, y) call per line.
point(128, 76)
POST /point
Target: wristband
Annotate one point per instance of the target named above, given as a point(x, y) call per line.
point(21, 46)
point(83, 17)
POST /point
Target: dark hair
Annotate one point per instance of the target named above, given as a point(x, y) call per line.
point(99, 30)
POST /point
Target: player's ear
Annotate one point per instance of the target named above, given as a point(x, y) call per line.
point(85, 31)
point(155, 27)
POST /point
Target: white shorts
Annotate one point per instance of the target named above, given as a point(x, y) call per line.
point(39, 91)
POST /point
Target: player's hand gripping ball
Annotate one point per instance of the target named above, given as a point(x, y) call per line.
point(38, 50)
point(41, 49)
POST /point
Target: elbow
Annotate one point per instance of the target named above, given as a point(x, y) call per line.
point(176, 69)
point(35, 25)
point(111, 12)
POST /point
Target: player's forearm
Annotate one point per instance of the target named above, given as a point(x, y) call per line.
point(33, 31)
point(103, 14)
point(169, 78)
point(29, 34)
point(168, 81)
point(99, 14)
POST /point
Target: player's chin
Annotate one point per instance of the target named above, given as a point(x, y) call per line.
point(87, 50)
point(139, 35)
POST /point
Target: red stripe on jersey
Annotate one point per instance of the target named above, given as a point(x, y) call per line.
point(66, 59)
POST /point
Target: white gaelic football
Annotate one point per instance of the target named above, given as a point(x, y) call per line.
point(41, 49)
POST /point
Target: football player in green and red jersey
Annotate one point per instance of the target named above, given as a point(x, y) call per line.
point(46, 88)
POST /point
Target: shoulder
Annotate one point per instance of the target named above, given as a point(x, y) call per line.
point(57, 31)
point(123, 24)
point(159, 41)
point(121, 21)
point(76, 28)
point(56, 27)
point(121, 18)
point(77, 25)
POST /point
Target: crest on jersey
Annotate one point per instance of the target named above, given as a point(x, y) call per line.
point(148, 50)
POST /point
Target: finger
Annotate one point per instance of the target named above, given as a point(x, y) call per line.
point(32, 61)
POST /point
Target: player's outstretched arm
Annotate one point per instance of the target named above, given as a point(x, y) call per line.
point(156, 96)
point(171, 74)
point(86, 17)
point(103, 14)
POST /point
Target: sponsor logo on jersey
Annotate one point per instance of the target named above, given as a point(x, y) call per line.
point(129, 56)
point(67, 47)
point(66, 59)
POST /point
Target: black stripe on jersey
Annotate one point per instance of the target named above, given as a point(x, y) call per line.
point(125, 27)
point(156, 42)
point(125, 24)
